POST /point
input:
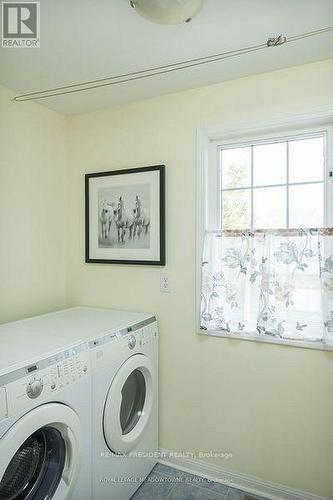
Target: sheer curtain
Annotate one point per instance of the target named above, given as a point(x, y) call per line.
point(274, 283)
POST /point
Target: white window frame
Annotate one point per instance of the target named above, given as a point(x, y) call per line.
point(209, 142)
point(276, 139)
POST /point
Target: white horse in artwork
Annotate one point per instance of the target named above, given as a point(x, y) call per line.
point(106, 216)
point(124, 220)
point(141, 218)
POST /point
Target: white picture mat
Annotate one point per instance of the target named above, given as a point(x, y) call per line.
point(95, 183)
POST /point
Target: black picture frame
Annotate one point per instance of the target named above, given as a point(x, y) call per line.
point(162, 240)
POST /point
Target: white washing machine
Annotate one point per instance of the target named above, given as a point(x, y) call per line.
point(125, 403)
point(45, 424)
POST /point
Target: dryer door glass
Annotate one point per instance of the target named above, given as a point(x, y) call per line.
point(129, 404)
point(36, 468)
point(133, 400)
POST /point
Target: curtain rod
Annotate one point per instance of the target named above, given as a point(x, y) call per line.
point(324, 231)
point(161, 70)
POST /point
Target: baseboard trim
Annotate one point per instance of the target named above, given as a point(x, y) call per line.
point(245, 482)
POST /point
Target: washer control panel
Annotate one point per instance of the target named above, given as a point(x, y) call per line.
point(140, 338)
point(147, 335)
point(3, 403)
point(19, 389)
point(35, 388)
point(131, 342)
point(133, 336)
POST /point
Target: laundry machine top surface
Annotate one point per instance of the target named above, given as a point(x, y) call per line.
point(30, 339)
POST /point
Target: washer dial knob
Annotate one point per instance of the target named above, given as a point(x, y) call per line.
point(132, 342)
point(35, 388)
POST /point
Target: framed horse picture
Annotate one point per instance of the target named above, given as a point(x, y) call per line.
point(125, 216)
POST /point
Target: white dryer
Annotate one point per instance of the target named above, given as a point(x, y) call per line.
point(45, 424)
point(125, 409)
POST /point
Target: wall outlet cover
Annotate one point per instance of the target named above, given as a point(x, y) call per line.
point(165, 283)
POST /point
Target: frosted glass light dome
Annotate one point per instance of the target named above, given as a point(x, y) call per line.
point(167, 11)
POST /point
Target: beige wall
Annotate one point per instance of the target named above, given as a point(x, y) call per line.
point(32, 209)
point(271, 406)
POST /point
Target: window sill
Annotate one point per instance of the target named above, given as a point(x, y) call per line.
point(294, 343)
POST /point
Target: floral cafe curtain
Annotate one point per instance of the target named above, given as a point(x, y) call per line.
point(274, 283)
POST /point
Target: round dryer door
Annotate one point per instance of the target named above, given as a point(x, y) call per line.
point(129, 404)
point(40, 455)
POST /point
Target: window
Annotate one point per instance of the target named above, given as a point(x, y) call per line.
point(265, 201)
point(273, 183)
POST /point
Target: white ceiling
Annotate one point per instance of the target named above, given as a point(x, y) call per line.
point(89, 39)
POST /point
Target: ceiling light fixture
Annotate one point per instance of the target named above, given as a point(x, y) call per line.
point(167, 11)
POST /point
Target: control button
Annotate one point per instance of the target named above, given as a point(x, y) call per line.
point(35, 388)
point(132, 342)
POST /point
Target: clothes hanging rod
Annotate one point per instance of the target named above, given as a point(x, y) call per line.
point(291, 231)
point(168, 68)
